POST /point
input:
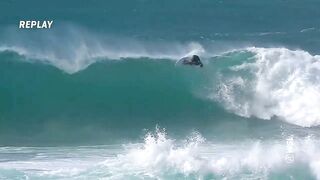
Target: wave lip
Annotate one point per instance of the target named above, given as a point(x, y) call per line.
point(79, 57)
point(279, 82)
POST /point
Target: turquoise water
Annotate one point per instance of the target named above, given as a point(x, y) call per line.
point(100, 95)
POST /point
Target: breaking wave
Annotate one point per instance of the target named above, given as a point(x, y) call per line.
point(251, 82)
point(160, 156)
point(163, 157)
point(276, 82)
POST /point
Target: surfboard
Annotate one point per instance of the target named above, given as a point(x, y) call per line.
point(180, 61)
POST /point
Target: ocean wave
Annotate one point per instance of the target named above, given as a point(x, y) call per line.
point(308, 29)
point(259, 82)
point(278, 82)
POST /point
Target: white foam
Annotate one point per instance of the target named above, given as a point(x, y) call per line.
point(280, 82)
point(161, 156)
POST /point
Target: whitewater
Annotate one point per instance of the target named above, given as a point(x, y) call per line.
point(160, 157)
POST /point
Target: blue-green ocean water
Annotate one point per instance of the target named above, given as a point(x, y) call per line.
point(100, 95)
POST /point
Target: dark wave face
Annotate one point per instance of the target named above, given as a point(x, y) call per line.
point(108, 98)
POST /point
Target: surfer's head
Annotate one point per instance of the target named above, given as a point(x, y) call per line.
point(196, 60)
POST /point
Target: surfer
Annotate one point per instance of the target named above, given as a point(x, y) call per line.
point(194, 60)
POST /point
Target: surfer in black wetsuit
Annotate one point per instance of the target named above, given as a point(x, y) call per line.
point(194, 61)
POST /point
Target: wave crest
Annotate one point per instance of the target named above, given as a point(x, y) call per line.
point(73, 49)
